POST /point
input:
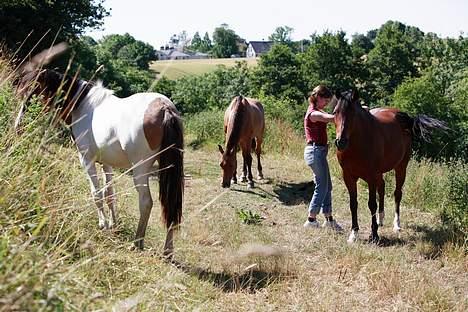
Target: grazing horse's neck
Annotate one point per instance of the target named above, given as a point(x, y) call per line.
point(234, 128)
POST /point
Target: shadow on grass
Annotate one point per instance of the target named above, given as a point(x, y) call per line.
point(391, 241)
point(250, 281)
point(438, 237)
point(294, 193)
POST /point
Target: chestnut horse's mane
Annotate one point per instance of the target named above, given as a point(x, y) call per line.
point(235, 123)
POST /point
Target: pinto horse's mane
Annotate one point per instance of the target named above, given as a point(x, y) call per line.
point(97, 94)
point(236, 120)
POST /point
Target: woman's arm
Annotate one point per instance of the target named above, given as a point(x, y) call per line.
point(321, 116)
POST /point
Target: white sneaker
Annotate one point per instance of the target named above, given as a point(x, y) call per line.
point(332, 225)
point(309, 224)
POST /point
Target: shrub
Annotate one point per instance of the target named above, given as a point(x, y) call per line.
point(455, 212)
point(205, 127)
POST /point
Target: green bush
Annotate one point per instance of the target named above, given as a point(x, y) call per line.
point(205, 127)
point(455, 212)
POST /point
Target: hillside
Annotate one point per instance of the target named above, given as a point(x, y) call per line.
point(174, 69)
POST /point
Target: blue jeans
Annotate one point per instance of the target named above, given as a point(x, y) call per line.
point(316, 158)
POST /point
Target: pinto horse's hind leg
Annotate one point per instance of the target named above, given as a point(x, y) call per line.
point(145, 202)
point(96, 192)
point(381, 192)
point(110, 195)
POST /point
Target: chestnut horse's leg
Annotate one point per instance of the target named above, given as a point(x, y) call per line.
point(350, 182)
point(258, 152)
point(98, 196)
point(243, 177)
point(110, 195)
point(400, 175)
point(145, 202)
point(381, 192)
point(246, 154)
point(372, 203)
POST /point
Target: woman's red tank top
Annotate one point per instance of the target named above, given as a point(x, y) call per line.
point(315, 131)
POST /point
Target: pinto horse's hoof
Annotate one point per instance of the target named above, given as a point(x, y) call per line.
point(250, 185)
point(243, 179)
point(396, 229)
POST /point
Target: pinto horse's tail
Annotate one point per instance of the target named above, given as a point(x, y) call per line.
point(171, 173)
point(421, 125)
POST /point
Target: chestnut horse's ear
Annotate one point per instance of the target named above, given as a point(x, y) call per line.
point(354, 95)
point(220, 149)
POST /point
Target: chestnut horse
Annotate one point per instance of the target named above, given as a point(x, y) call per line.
point(244, 125)
point(370, 144)
point(129, 132)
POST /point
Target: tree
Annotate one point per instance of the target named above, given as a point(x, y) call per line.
point(206, 45)
point(393, 58)
point(196, 43)
point(64, 19)
point(282, 35)
point(225, 42)
point(278, 74)
point(127, 49)
point(328, 60)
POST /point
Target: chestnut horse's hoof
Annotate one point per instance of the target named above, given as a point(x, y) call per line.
point(374, 239)
point(353, 237)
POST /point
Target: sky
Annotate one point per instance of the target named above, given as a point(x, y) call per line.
point(155, 21)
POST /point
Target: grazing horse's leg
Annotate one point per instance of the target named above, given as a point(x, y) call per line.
point(258, 152)
point(350, 182)
point(381, 191)
point(400, 175)
point(97, 193)
point(246, 154)
point(145, 202)
point(372, 203)
point(243, 177)
point(109, 195)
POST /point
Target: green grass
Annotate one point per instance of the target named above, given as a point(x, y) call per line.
point(174, 69)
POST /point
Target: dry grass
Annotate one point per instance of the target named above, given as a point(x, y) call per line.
point(52, 257)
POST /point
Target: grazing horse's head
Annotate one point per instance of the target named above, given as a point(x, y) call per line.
point(346, 107)
point(228, 165)
point(44, 83)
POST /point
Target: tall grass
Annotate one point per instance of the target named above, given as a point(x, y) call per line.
point(53, 257)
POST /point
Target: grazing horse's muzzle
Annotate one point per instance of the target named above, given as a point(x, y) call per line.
point(341, 143)
point(226, 184)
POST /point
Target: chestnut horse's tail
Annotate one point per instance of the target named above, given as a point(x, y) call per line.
point(421, 125)
point(171, 165)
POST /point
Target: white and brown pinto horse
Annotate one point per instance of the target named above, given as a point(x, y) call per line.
point(130, 132)
point(244, 126)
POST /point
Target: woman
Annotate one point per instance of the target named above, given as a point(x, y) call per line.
point(315, 156)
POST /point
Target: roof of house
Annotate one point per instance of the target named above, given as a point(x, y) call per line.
point(261, 46)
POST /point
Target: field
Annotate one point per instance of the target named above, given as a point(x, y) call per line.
point(174, 69)
point(222, 263)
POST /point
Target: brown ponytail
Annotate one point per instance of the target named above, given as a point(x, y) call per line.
point(321, 91)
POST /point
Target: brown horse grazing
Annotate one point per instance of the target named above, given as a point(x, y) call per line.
point(370, 144)
point(244, 125)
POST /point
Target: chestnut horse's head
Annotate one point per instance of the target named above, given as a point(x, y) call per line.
point(228, 165)
point(346, 107)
